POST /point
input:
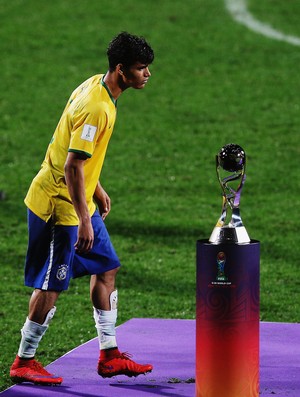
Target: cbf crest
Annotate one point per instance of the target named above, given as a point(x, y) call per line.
point(61, 273)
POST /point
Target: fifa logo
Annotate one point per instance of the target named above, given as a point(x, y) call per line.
point(221, 260)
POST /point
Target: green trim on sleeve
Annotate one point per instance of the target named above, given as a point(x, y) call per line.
point(80, 151)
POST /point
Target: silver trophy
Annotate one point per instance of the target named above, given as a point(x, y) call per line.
point(230, 166)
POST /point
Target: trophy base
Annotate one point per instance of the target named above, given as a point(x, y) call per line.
point(227, 319)
point(229, 234)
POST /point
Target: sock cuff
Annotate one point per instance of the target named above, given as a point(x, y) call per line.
point(105, 316)
point(34, 327)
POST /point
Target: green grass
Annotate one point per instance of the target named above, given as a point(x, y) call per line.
point(213, 82)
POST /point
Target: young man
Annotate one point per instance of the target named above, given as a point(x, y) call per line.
point(67, 236)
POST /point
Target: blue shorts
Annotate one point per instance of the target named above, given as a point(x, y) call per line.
point(51, 259)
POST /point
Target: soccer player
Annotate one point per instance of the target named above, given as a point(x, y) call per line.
point(66, 210)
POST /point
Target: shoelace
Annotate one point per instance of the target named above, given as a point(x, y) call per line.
point(38, 367)
point(125, 356)
point(122, 356)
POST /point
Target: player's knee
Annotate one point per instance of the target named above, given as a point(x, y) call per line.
point(108, 278)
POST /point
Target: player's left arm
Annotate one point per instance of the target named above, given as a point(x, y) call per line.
point(74, 175)
point(102, 200)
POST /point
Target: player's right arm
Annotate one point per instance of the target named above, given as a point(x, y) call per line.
point(74, 176)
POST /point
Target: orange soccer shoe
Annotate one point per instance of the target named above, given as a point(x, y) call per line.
point(30, 370)
point(120, 364)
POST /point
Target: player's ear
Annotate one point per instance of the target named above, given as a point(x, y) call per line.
point(120, 68)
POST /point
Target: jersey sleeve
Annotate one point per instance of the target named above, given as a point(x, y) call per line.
point(87, 128)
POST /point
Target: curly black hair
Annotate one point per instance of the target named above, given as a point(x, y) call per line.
point(128, 49)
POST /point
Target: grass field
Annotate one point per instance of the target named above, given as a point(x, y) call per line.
point(213, 82)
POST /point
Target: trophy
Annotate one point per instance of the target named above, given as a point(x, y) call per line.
point(230, 167)
point(227, 294)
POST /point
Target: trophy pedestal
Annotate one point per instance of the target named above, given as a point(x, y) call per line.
point(227, 319)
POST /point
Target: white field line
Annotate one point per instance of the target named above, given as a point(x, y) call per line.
point(238, 10)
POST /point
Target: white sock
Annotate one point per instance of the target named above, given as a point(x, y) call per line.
point(105, 321)
point(32, 334)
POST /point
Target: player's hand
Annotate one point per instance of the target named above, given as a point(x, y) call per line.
point(85, 237)
point(106, 205)
point(102, 200)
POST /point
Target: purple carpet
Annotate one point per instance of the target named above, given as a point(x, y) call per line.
point(170, 346)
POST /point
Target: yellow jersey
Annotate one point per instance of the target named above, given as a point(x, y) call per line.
point(85, 127)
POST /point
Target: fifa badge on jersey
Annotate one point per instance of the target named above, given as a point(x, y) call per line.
point(88, 132)
point(61, 273)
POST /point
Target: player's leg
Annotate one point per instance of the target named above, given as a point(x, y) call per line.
point(47, 270)
point(25, 368)
point(40, 303)
point(104, 267)
point(41, 311)
point(104, 298)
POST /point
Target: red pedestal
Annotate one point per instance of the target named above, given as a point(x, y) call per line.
point(227, 320)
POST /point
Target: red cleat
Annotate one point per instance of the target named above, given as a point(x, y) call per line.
point(30, 370)
point(121, 364)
